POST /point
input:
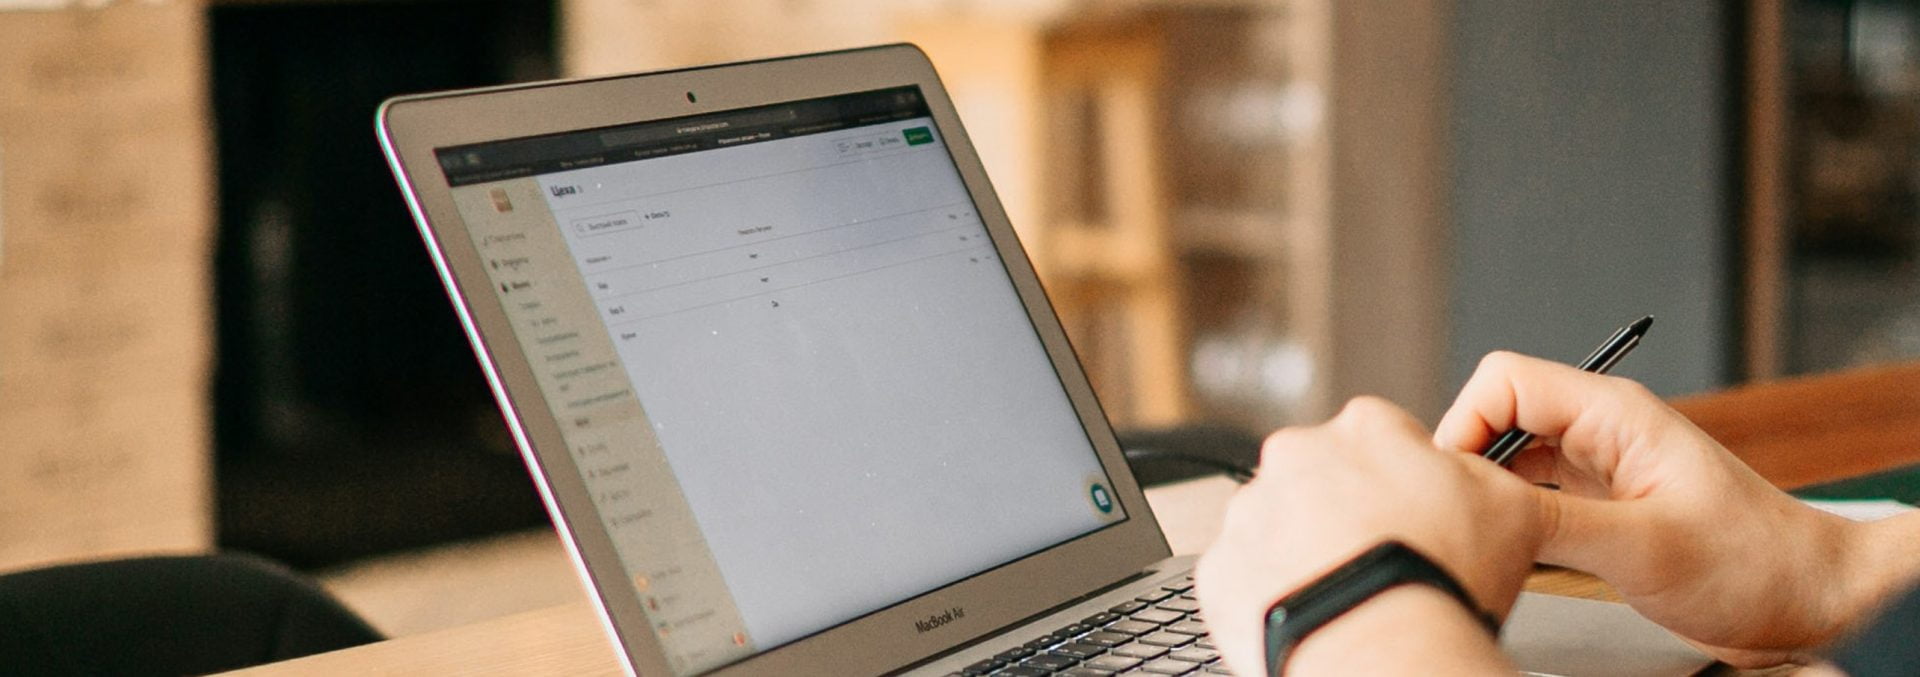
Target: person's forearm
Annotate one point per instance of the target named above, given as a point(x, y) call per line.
point(1411, 629)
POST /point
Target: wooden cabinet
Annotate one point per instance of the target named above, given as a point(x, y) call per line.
point(1830, 187)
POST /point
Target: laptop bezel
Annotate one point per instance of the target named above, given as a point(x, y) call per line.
point(410, 128)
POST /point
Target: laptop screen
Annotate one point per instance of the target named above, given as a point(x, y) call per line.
point(788, 361)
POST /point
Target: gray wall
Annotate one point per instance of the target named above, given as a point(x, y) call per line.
point(1590, 185)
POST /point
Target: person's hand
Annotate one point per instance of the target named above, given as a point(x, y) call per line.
point(1687, 534)
point(1326, 493)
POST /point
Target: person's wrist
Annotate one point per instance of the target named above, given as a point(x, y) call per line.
point(1878, 564)
point(1425, 625)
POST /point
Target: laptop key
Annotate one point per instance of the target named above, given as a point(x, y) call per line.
point(1079, 650)
point(1132, 627)
point(1022, 671)
point(1168, 666)
point(1140, 651)
point(1183, 587)
point(1128, 607)
point(1012, 655)
point(1188, 628)
point(1218, 669)
point(1084, 671)
point(1171, 640)
point(1047, 661)
point(1038, 644)
point(982, 667)
point(1158, 616)
point(1100, 619)
point(1195, 654)
point(1206, 643)
point(1185, 606)
point(1153, 596)
point(1113, 663)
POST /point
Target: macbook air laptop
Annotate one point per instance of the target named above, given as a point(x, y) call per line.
point(787, 384)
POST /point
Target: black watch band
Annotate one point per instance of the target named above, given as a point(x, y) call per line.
point(1380, 568)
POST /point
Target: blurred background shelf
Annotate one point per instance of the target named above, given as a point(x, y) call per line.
point(1832, 187)
point(106, 205)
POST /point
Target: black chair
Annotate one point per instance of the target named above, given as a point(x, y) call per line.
point(167, 616)
point(1165, 455)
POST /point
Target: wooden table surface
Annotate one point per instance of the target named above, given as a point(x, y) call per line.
point(1814, 430)
point(1794, 433)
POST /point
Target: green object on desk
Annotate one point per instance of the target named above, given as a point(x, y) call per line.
point(1899, 484)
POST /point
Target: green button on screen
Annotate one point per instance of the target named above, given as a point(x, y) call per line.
point(919, 135)
point(1102, 501)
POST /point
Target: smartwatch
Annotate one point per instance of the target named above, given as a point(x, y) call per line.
point(1380, 568)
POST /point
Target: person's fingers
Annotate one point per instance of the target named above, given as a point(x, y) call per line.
point(1545, 398)
point(1586, 533)
point(1284, 447)
point(1750, 659)
point(1509, 389)
point(1369, 413)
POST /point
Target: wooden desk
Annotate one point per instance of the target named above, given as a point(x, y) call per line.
point(1813, 430)
point(1794, 433)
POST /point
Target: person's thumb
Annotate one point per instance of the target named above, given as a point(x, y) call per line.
point(1587, 534)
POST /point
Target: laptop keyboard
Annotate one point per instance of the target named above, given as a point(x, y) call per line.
point(1158, 633)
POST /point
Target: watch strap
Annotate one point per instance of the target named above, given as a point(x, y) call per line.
point(1380, 568)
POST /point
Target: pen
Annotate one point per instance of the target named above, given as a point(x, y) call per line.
point(1603, 358)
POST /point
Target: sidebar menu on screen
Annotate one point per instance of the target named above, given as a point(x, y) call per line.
point(574, 362)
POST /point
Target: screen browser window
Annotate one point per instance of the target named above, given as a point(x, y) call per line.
point(787, 359)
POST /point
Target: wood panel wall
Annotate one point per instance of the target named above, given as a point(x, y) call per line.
point(105, 216)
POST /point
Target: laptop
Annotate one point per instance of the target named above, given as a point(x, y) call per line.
point(786, 381)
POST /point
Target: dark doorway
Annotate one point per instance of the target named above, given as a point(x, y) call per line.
point(350, 416)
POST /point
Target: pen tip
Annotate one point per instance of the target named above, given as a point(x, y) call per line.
point(1640, 326)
